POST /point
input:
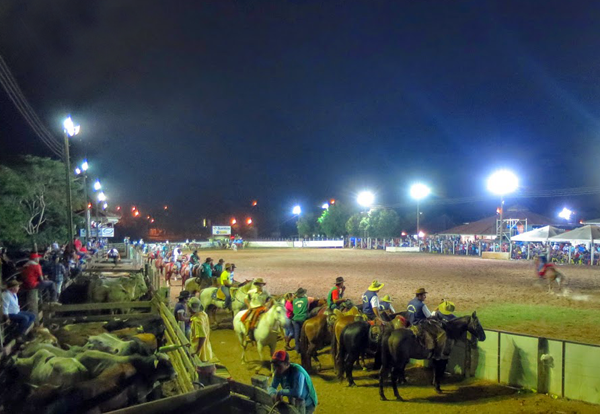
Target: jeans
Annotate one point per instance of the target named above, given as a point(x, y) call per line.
point(23, 320)
point(288, 328)
point(48, 287)
point(227, 296)
point(297, 331)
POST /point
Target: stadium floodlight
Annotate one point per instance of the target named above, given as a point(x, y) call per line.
point(502, 182)
point(418, 192)
point(296, 210)
point(365, 198)
point(85, 165)
point(101, 196)
point(565, 213)
point(104, 206)
point(77, 171)
point(97, 185)
point(325, 206)
point(70, 128)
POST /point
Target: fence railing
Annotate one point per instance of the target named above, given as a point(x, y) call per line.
point(558, 367)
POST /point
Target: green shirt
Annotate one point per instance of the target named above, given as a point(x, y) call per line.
point(300, 309)
point(218, 269)
point(206, 270)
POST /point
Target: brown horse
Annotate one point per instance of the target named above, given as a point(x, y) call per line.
point(159, 263)
point(314, 336)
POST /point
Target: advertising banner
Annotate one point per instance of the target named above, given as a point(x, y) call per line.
point(221, 230)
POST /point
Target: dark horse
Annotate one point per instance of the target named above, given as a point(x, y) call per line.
point(355, 341)
point(398, 346)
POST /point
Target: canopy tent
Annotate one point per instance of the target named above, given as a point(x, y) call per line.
point(595, 221)
point(585, 234)
point(537, 235)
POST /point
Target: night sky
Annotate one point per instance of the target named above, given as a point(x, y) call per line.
point(208, 105)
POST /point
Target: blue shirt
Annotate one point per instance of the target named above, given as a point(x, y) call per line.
point(10, 303)
point(294, 384)
point(415, 311)
point(367, 305)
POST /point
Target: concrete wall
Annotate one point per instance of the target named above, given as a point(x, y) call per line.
point(496, 255)
point(402, 249)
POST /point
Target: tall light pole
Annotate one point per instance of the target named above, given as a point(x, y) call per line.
point(502, 182)
point(83, 170)
point(418, 192)
point(70, 130)
point(101, 199)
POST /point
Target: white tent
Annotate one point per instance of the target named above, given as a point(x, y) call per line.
point(585, 234)
point(537, 235)
point(595, 221)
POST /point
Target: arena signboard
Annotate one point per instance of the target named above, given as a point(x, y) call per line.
point(221, 230)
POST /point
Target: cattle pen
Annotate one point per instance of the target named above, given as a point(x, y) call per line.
point(197, 387)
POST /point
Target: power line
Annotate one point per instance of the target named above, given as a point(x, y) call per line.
point(16, 96)
point(562, 192)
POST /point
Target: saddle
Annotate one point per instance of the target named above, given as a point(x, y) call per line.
point(219, 295)
point(431, 335)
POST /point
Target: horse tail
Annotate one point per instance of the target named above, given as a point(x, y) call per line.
point(305, 358)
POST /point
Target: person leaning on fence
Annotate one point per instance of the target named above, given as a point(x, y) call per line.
point(295, 384)
point(11, 311)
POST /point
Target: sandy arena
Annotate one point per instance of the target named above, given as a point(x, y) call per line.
point(472, 283)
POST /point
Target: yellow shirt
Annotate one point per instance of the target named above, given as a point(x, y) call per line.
point(225, 278)
point(200, 328)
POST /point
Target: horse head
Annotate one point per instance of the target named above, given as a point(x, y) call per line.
point(475, 327)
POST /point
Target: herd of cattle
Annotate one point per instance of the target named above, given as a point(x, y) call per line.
point(91, 367)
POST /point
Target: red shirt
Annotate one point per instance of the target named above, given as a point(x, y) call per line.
point(31, 274)
point(77, 243)
point(289, 309)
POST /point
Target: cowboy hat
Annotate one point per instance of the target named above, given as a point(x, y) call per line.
point(184, 294)
point(34, 255)
point(446, 307)
point(12, 284)
point(259, 281)
point(227, 266)
point(386, 298)
point(339, 280)
point(375, 286)
point(420, 291)
point(194, 304)
point(300, 292)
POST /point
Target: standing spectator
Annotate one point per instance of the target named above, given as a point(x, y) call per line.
point(206, 272)
point(300, 315)
point(199, 331)
point(34, 279)
point(289, 313)
point(181, 314)
point(218, 269)
point(58, 273)
point(114, 255)
point(12, 311)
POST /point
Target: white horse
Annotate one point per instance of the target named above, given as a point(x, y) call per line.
point(266, 331)
point(211, 304)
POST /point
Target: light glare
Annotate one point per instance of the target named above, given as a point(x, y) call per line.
point(101, 196)
point(503, 182)
point(565, 213)
point(84, 165)
point(296, 210)
point(419, 191)
point(70, 128)
point(97, 185)
point(365, 198)
point(325, 206)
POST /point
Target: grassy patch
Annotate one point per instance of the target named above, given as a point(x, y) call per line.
point(542, 320)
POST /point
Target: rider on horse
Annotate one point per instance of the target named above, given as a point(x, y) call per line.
point(425, 328)
point(417, 310)
point(206, 271)
point(385, 305)
point(445, 311)
point(227, 281)
point(336, 294)
point(542, 265)
point(194, 261)
point(257, 301)
point(371, 301)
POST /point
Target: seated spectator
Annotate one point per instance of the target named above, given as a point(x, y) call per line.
point(33, 278)
point(12, 312)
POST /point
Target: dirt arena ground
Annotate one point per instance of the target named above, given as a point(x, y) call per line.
point(472, 283)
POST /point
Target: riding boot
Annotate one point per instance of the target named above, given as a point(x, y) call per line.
point(288, 347)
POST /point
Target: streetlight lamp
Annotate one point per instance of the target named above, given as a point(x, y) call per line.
point(70, 130)
point(418, 192)
point(83, 169)
point(502, 182)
